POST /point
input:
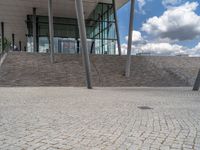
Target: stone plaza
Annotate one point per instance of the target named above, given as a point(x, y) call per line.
point(103, 118)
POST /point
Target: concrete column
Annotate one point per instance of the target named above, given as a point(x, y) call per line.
point(13, 41)
point(82, 32)
point(117, 27)
point(2, 37)
point(128, 63)
point(197, 82)
point(34, 30)
point(51, 30)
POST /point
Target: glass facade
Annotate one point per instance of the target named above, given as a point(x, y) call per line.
point(100, 26)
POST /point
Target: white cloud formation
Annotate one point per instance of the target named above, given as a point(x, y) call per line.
point(141, 4)
point(196, 50)
point(158, 48)
point(162, 49)
point(177, 23)
point(124, 49)
point(136, 37)
point(168, 3)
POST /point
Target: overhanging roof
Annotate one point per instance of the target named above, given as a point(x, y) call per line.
point(14, 12)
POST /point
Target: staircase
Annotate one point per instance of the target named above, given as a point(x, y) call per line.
point(33, 69)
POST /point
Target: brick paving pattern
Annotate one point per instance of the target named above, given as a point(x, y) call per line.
point(47, 118)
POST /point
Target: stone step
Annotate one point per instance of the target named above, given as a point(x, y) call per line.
point(33, 69)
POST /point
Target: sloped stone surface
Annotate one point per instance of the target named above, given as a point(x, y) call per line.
point(33, 69)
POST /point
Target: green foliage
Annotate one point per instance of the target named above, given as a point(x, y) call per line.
point(7, 44)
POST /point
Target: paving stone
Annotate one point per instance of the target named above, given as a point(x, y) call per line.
point(103, 118)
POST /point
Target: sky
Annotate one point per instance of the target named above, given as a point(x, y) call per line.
point(162, 27)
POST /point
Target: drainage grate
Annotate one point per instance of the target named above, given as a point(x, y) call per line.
point(145, 107)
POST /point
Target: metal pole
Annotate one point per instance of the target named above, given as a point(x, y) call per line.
point(197, 82)
point(20, 45)
point(117, 27)
point(2, 36)
point(34, 31)
point(82, 32)
point(13, 42)
point(128, 63)
point(51, 31)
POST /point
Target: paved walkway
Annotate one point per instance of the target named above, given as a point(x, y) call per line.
point(103, 118)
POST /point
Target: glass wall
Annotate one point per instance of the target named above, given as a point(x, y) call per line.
point(100, 27)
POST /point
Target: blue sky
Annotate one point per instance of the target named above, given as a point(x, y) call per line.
point(147, 9)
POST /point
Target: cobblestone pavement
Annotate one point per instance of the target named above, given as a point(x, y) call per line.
point(103, 118)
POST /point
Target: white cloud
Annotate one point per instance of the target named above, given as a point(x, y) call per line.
point(136, 37)
point(177, 23)
point(162, 49)
point(141, 4)
point(195, 51)
point(157, 49)
point(124, 48)
point(168, 3)
point(140, 45)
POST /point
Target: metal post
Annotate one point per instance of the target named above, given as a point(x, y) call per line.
point(2, 37)
point(117, 27)
point(20, 45)
point(34, 30)
point(78, 46)
point(13, 42)
point(82, 32)
point(128, 64)
point(51, 30)
point(197, 82)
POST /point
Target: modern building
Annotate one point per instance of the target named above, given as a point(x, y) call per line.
point(26, 25)
point(66, 26)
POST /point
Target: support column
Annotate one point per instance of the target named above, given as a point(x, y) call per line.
point(117, 27)
point(128, 63)
point(82, 32)
point(78, 46)
point(20, 45)
point(51, 30)
point(2, 36)
point(197, 82)
point(34, 30)
point(13, 42)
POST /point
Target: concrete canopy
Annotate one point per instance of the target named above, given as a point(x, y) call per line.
point(13, 13)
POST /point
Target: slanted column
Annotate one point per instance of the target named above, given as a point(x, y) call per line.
point(2, 36)
point(13, 41)
point(128, 63)
point(82, 32)
point(197, 82)
point(117, 27)
point(34, 21)
point(51, 30)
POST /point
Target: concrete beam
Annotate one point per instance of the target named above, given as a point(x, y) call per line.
point(82, 32)
point(128, 63)
point(51, 30)
point(197, 82)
